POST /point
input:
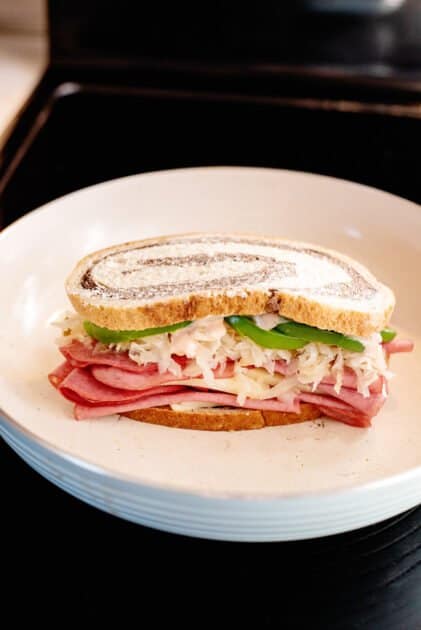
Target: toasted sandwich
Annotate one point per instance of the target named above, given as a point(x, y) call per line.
point(226, 332)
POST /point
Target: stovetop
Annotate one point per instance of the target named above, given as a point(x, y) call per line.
point(80, 132)
point(85, 125)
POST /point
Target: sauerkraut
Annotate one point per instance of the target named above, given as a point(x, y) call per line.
point(210, 342)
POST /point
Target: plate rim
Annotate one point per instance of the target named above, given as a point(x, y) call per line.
point(149, 174)
point(389, 481)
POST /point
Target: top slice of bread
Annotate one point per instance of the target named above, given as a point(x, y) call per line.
point(165, 280)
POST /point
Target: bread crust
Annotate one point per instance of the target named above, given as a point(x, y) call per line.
point(219, 303)
point(194, 307)
point(222, 419)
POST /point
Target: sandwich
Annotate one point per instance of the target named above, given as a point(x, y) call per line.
point(226, 332)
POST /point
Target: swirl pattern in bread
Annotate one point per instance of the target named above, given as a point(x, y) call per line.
point(161, 281)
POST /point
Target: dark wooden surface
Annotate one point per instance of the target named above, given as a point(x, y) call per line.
point(66, 561)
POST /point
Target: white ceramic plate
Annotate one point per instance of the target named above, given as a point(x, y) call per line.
point(279, 483)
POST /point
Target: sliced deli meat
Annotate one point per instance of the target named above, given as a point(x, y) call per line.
point(81, 355)
point(349, 416)
point(214, 398)
point(321, 400)
point(94, 398)
point(105, 404)
point(349, 381)
point(398, 345)
point(369, 405)
point(337, 410)
point(82, 382)
point(120, 378)
point(59, 374)
point(103, 381)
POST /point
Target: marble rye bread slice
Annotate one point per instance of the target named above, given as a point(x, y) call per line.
point(161, 281)
point(223, 419)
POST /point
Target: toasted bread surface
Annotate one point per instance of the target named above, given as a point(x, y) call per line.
point(222, 419)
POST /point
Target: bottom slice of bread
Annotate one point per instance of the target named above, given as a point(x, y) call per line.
point(222, 419)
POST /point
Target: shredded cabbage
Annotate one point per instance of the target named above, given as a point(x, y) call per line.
point(71, 326)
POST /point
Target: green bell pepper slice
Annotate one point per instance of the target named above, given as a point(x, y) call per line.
point(311, 333)
point(388, 334)
point(105, 335)
point(264, 338)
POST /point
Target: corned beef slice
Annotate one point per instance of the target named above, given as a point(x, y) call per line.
point(81, 355)
point(398, 345)
point(81, 382)
point(56, 376)
point(116, 377)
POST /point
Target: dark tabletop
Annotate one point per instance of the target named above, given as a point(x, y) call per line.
point(62, 555)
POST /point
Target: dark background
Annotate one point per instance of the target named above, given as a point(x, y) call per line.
point(69, 563)
point(137, 87)
point(94, 133)
point(256, 37)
